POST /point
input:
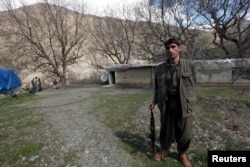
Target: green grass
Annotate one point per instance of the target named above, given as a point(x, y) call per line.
point(211, 114)
point(210, 100)
point(118, 113)
point(15, 100)
point(29, 149)
point(116, 110)
point(14, 136)
point(215, 92)
point(226, 93)
point(82, 86)
point(199, 157)
point(12, 153)
point(70, 157)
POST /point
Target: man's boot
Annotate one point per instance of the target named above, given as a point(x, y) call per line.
point(184, 160)
point(162, 154)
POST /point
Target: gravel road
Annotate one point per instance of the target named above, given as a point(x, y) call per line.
point(69, 130)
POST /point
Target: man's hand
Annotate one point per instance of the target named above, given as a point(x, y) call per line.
point(151, 106)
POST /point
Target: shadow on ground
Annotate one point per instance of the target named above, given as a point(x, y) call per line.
point(135, 143)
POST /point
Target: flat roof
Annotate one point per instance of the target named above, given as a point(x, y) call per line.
point(200, 64)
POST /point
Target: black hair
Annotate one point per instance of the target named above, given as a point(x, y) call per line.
point(172, 41)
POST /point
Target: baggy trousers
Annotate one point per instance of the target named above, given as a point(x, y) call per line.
point(174, 127)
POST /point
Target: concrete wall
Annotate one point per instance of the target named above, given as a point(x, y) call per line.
point(214, 76)
point(135, 76)
point(223, 71)
point(208, 72)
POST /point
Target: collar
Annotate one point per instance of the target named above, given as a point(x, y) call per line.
point(169, 65)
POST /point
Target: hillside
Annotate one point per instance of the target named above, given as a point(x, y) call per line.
point(11, 52)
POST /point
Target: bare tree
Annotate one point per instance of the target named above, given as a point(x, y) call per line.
point(150, 33)
point(170, 18)
point(50, 37)
point(113, 38)
point(153, 30)
point(228, 20)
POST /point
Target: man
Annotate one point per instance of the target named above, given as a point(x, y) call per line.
point(55, 84)
point(175, 96)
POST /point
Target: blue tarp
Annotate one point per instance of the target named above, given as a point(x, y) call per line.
point(9, 81)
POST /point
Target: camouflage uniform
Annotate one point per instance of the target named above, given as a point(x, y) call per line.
point(175, 95)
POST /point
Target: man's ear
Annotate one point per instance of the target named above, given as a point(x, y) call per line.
point(179, 48)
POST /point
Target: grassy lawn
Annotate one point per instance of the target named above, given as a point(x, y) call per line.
point(15, 143)
point(118, 113)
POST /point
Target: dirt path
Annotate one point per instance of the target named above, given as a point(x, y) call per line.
point(70, 131)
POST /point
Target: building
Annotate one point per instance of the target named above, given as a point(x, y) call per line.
point(221, 71)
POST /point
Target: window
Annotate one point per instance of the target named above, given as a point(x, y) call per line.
point(241, 73)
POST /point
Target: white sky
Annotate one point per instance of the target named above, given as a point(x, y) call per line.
point(95, 7)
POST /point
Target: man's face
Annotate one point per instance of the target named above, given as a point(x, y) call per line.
point(173, 50)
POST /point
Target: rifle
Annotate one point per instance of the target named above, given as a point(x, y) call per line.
point(152, 133)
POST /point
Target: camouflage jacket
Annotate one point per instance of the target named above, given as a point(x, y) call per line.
point(187, 81)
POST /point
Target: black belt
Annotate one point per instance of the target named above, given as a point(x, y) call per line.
point(173, 95)
point(173, 92)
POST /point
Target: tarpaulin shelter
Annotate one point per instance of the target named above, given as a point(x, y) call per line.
point(9, 81)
